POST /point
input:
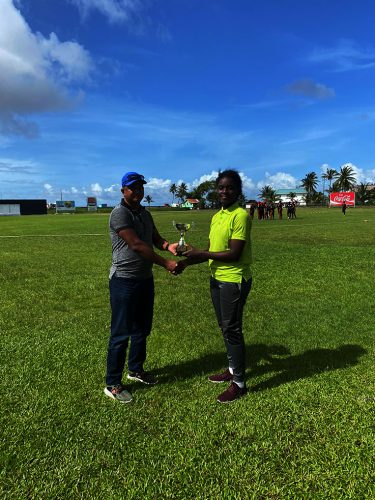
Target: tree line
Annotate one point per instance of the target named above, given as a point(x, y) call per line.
point(205, 193)
point(342, 180)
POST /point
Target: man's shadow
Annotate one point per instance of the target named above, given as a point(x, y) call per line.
point(267, 359)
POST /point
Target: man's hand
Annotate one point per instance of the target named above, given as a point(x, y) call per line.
point(172, 248)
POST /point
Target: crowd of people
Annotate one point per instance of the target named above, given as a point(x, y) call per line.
point(266, 209)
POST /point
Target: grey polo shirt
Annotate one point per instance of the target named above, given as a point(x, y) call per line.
point(125, 262)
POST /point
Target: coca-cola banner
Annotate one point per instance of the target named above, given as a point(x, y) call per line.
point(337, 199)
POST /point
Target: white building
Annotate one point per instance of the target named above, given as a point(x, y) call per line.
point(300, 195)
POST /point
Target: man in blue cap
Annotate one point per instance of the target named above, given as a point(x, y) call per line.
point(133, 236)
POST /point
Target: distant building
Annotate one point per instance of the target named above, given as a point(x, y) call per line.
point(370, 187)
point(300, 195)
point(23, 207)
point(190, 203)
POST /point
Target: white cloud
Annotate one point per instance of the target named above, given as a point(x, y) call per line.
point(116, 11)
point(158, 189)
point(311, 135)
point(96, 188)
point(154, 183)
point(205, 177)
point(247, 183)
point(73, 61)
point(280, 180)
point(345, 56)
point(114, 188)
point(34, 72)
point(369, 176)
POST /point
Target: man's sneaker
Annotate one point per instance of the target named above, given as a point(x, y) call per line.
point(221, 377)
point(232, 393)
point(144, 377)
point(118, 392)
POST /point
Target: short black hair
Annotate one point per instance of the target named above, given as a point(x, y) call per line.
point(232, 174)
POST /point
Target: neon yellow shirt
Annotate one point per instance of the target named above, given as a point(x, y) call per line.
point(232, 223)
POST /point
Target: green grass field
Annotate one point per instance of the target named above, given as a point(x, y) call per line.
point(305, 429)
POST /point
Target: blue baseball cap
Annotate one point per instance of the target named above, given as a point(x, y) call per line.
point(131, 177)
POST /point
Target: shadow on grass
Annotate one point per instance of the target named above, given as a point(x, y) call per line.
point(265, 359)
point(307, 364)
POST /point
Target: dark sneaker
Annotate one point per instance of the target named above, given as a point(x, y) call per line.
point(118, 392)
point(232, 393)
point(221, 377)
point(144, 377)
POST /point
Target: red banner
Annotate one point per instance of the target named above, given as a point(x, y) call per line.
point(337, 199)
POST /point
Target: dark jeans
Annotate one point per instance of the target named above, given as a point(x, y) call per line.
point(228, 300)
point(132, 303)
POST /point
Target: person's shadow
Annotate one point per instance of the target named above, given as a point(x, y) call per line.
point(267, 359)
point(307, 364)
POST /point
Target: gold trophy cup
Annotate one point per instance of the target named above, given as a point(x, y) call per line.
point(182, 245)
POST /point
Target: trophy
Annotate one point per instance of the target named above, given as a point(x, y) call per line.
point(182, 246)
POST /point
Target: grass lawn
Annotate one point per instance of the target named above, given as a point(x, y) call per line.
point(306, 427)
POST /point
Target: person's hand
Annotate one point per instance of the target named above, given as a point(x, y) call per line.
point(193, 253)
point(181, 266)
point(170, 265)
point(172, 248)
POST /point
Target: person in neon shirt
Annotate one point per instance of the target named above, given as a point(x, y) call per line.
point(229, 257)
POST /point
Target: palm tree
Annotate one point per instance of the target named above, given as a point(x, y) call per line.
point(317, 198)
point(181, 191)
point(309, 182)
point(292, 195)
point(346, 178)
point(213, 199)
point(173, 190)
point(148, 200)
point(371, 196)
point(362, 193)
point(267, 193)
point(335, 186)
point(329, 175)
point(201, 191)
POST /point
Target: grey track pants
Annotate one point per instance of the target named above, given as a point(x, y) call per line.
point(228, 300)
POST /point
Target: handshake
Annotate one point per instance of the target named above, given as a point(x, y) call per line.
point(193, 256)
point(179, 267)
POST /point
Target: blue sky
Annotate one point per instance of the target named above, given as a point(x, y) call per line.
point(179, 89)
